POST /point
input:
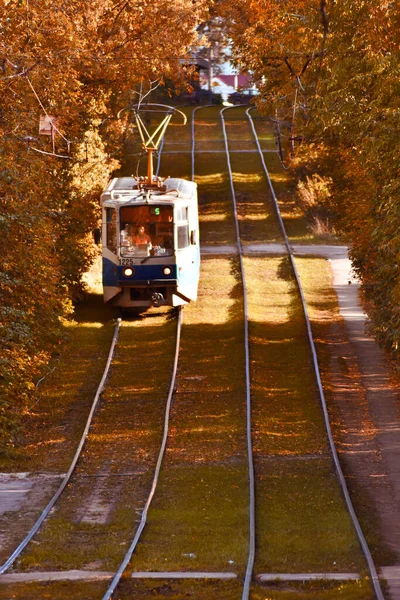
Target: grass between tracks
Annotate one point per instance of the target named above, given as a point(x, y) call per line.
point(54, 422)
point(302, 520)
point(232, 590)
point(198, 518)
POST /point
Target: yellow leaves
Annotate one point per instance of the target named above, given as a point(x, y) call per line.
point(83, 60)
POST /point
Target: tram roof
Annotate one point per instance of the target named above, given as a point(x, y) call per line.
point(128, 189)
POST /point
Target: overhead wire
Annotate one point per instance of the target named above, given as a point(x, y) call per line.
point(49, 153)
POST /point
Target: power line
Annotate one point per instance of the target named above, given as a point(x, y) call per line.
point(49, 153)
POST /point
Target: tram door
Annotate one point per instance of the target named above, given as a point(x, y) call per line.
point(187, 254)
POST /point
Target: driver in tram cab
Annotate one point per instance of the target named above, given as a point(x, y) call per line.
point(142, 238)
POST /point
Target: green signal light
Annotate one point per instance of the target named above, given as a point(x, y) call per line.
point(157, 211)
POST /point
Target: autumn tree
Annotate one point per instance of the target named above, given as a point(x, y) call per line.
point(79, 62)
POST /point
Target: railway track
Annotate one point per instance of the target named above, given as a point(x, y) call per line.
point(128, 555)
point(341, 478)
point(245, 578)
point(46, 512)
point(104, 496)
point(363, 542)
point(220, 457)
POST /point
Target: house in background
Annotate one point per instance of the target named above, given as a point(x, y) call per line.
point(218, 79)
point(228, 84)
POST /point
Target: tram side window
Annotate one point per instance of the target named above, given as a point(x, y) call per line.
point(182, 213)
point(183, 236)
point(111, 225)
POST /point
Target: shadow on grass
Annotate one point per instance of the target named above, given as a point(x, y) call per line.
point(141, 314)
point(92, 309)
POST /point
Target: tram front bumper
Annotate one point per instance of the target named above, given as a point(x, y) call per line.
point(147, 282)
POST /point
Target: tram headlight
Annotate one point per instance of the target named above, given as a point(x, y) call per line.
point(128, 272)
point(167, 270)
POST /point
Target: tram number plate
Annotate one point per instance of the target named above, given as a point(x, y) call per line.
point(126, 262)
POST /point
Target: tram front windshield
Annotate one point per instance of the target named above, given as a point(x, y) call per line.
point(146, 230)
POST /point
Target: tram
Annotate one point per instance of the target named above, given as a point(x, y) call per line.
point(150, 238)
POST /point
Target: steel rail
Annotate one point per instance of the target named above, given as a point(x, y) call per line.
point(343, 484)
point(252, 526)
point(143, 519)
point(71, 469)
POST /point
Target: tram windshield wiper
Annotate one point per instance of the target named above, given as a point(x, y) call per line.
point(145, 259)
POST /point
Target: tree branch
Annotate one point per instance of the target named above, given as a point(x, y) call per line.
point(325, 21)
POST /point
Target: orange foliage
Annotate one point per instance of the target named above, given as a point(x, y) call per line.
point(80, 62)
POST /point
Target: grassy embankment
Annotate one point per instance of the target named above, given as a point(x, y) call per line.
point(53, 425)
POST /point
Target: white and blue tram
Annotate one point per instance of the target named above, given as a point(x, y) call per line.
point(150, 238)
